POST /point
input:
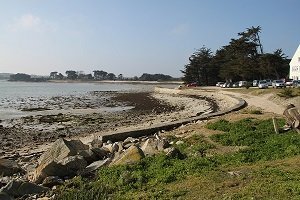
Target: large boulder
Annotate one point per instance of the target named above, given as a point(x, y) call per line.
point(19, 188)
point(153, 146)
point(62, 159)
point(132, 155)
point(9, 167)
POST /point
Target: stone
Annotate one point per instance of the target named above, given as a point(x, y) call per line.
point(96, 143)
point(100, 153)
point(128, 145)
point(130, 140)
point(61, 149)
point(153, 146)
point(19, 188)
point(88, 155)
point(96, 165)
point(179, 142)
point(72, 165)
point(112, 148)
point(9, 167)
point(172, 152)
point(132, 155)
point(51, 181)
point(60, 160)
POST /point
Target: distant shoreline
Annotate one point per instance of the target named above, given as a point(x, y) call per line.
point(116, 81)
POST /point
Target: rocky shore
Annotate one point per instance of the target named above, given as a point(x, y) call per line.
point(24, 140)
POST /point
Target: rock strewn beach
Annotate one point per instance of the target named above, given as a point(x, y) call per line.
point(73, 117)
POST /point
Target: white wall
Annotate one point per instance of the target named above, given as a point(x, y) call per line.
point(295, 65)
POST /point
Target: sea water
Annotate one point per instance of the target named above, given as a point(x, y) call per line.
point(12, 93)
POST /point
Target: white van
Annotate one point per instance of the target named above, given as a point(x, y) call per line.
point(242, 83)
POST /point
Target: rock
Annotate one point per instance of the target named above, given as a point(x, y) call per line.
point(112, 148)
point(130, 140)
point(88, 155)
point(71, 165)
point(96, 143)
point(60, 160)
point(19, 188)
point(96, 165)
point(100, 153)
point(179, 142)
point(9, 167)
point(51, 181)
point(61, 149)
point(153, 146)
point(130, 156)
point(128, 145)
point(5, 196)
point(172, 152)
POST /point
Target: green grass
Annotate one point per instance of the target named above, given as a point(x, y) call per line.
point(157, 177)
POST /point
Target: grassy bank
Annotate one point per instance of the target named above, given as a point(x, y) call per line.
point(264, 167)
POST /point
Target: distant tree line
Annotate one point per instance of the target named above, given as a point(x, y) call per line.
point(26, 77)
point(103, 75)
point(242, 59)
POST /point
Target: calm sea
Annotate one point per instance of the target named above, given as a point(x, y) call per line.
point(14, 91)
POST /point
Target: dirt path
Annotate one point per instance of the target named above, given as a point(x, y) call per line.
point(261, 102)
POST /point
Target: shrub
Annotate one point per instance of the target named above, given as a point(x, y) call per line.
point(287, 93)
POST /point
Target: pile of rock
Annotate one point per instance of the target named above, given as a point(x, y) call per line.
point(68, 158)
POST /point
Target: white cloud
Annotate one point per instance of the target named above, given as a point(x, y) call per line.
point(30, 22)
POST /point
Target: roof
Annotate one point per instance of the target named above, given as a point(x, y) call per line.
point(296, 58)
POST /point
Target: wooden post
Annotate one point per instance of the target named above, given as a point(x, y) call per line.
point(275, 125)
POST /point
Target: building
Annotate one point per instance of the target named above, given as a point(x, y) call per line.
point(295, 65)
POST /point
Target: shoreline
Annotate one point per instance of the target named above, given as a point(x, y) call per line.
point(39, 130)
point(117, 81)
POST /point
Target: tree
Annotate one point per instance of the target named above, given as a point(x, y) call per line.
point(100, 74)
point(198, 69)
point(274, 65)
point(111, 76)
point(20, 77)
point(71, 74)
point(120, 77)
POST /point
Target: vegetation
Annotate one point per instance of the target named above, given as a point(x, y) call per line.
point(242, 59)
point(25, 77)
point(103, 75)
point(236, 175)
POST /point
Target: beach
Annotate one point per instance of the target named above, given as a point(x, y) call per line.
point(46, 119)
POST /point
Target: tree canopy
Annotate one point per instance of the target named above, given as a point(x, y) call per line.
point(242, 59)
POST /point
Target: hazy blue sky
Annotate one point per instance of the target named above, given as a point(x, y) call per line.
point(133, 36)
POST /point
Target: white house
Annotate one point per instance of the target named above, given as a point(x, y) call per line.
point(295, 65)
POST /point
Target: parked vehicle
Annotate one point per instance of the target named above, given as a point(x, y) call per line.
point(262, 84)
point(269, 81)
point(289, 82)
point(255, 83)
point(242, 83)
point(192, 85)
point(227, 85)
point(235, 85)
point(278, 83)
point(219, 84)
point(296, 83)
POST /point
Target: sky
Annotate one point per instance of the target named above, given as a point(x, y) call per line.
point(132, 37)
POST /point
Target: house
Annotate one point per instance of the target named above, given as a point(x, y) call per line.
point(295, 65)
